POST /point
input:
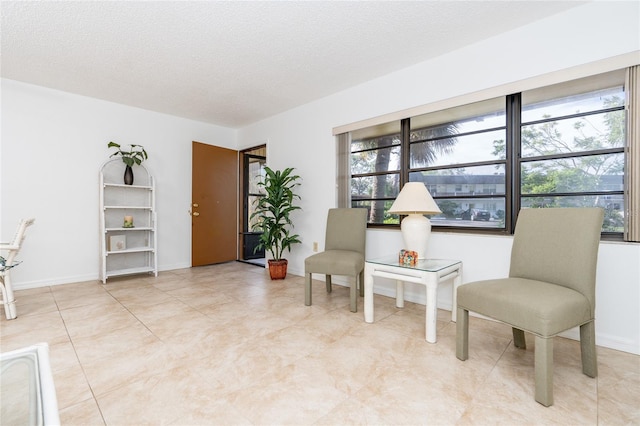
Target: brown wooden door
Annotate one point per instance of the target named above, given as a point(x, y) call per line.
point(214, 219)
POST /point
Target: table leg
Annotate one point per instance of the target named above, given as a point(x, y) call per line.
point(368, 293)
point(399, 294)
point(431, 312)
point(454, 298)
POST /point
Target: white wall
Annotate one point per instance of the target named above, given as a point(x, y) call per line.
point(53, 144)
point(301, 138)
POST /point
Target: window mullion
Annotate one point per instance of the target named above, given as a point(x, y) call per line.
point(576, 154)
point(405, 152)
point(513, 148)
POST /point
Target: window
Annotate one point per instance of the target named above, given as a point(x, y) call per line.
point(375, 170)
point(572, 153)
point(557, 146)
point(454, 153)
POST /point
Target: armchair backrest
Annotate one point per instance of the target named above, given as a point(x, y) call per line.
point(17, 239)
point(560, 246)
point(346, 229)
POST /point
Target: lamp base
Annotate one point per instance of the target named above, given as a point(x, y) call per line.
point(416, 230)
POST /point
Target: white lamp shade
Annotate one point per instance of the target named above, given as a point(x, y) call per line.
point(414, 198)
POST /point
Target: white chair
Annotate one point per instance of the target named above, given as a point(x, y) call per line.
point(11, 250)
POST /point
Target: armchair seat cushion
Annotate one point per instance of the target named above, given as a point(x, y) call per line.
point(335, 262)
point(538, 307)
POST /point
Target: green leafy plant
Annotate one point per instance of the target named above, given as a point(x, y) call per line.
point(3, 264)
point(135, 155)
point(273, 210)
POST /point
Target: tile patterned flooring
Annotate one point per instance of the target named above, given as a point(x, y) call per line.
point(223, 345)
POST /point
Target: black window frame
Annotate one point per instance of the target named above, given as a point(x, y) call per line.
point(464, 229)
point(519, 160)
point(513, 163)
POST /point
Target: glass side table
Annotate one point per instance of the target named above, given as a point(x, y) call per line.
point(427, 272)
point(26, 384)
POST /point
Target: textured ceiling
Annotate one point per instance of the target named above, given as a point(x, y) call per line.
point(234, 63)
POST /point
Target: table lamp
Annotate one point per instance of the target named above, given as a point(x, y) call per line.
point(415, 201)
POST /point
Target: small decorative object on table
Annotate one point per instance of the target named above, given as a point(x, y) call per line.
point(408, 257)
point(128, 222)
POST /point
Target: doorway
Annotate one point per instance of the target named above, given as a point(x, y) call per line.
point(252, 163)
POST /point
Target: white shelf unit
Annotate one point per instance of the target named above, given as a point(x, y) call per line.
point(135, 251)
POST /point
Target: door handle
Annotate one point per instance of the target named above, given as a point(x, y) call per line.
point(196, 214)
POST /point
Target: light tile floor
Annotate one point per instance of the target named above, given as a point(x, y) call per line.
point(223, 344)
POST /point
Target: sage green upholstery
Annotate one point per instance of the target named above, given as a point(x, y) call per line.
point(344, 252)
point(550, 289)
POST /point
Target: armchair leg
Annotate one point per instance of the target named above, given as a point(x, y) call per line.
point(588, 349)
point(10, 310)
point(328, 280)
point(8, 299)
point(518, 338)
point(352, 295)
point(462, 334)
point(361, 282)
point(307, 289)
point(544, 370)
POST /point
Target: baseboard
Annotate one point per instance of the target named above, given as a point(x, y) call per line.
point(55, 281)
point(174, 266)
point(82, 278)
point(603, 340)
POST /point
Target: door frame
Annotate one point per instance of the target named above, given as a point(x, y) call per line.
point(243, 207)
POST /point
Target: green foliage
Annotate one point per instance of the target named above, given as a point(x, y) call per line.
point(379, 153)
point(135, 155)
point(3, 264)
point(273, 210)
point(613, 220)
point(571, 174)
point(448, 208)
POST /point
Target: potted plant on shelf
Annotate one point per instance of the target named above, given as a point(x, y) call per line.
point(273, 210)
point(135, 155)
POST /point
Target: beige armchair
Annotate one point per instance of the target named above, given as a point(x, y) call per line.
point(550, 289)
point(9, 251)
point(344, 252)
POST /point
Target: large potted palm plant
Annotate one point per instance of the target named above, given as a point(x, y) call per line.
point(273, 212)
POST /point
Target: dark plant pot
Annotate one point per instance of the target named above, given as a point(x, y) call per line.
point(278, 269)
point(128, 175)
